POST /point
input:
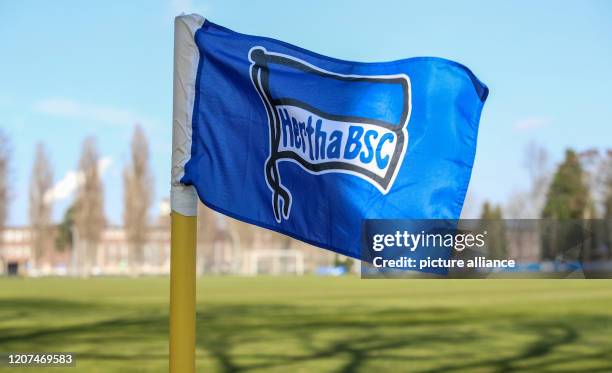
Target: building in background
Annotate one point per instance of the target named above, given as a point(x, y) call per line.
point(223, 252)
point(225, 249)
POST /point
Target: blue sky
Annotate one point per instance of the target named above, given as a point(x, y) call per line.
point(71, 69)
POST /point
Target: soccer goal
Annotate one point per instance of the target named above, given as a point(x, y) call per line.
point(274, 262)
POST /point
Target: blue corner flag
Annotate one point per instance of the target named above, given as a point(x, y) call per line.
point(310, 146)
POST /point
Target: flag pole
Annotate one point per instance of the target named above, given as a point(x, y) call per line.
point(182, 293)
point(183, 199)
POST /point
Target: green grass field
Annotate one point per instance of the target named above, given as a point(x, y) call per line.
point(310, 324)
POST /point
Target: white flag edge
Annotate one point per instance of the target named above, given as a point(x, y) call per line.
point(183, 198)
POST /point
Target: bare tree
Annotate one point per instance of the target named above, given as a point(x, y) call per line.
point(249, 234)
point(527, 204)
point(607, 205)
point(5, 158)
point(89, 207)
point(254, 237)
point(606, 171)
point(208, 224)
point(519, 206)
point(138, 196)
point(538, 168)
point(471, 205)
point(598, 176)
point(40, 206)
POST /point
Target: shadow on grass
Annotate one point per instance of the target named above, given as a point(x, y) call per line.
point(247, 337)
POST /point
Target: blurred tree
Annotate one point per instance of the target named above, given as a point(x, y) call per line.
point(208, 221)
point(487, 211)
point(567, 199)
point(527, 204)
point(137, 197)
point(597, 166)
point(5, 158)
point(40, 203)
point(247, 233)
point(607, 216)
point(491, 221)
point(89, 207)
point(568, 195)
point(537, 164)
point(63, 240)
point(254, 237)
point(597, 169)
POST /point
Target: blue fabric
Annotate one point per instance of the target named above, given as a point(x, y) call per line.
point(309, 146)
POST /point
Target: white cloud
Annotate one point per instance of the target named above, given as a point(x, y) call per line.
point(531, 123)
point(71, 181)
point(68, 108)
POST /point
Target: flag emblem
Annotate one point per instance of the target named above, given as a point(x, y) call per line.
point(333, 138)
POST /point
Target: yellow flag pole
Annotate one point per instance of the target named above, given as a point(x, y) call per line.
point(182, 293)
point(183, 199)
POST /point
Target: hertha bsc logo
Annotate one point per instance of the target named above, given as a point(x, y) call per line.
point(330, 123)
